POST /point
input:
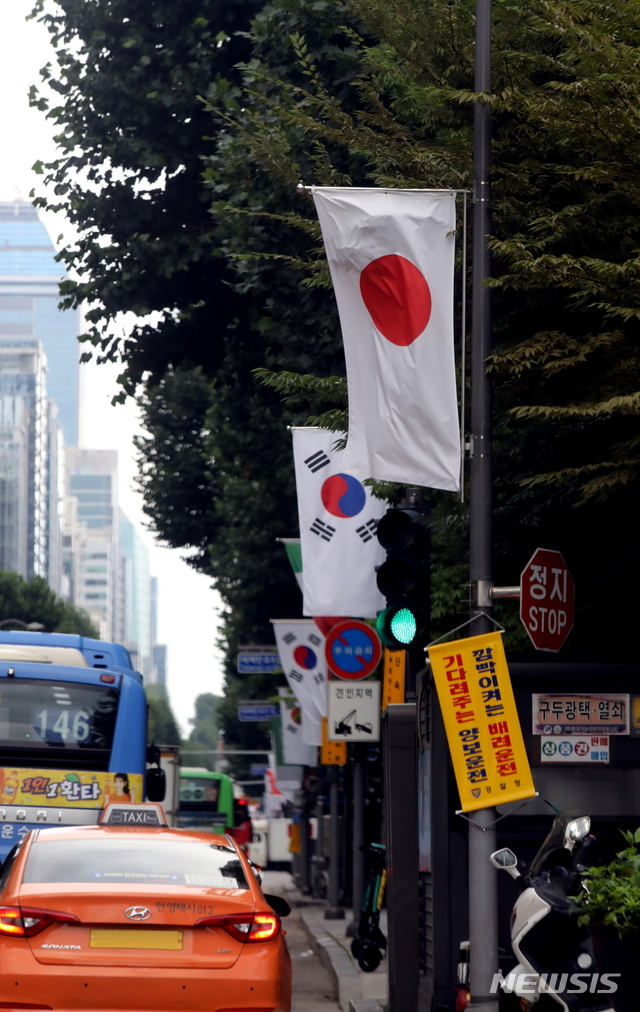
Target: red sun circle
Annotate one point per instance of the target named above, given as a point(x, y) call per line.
point(398, 298)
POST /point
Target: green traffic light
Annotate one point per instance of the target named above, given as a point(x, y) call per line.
point(404, 626)
point(397, 627)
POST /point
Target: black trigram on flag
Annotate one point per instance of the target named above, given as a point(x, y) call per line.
point(367, 531)
point(325, 531)
point(317, 461)
point(289, 638)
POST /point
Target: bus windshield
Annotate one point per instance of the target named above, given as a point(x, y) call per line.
point(44, 715)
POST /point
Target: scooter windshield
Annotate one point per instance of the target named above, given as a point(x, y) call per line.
point(553, 850)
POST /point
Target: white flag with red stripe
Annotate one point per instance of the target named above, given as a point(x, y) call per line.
point(391, 256)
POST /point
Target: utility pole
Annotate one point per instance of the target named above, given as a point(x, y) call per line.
point(334, 912)
point(483, 904)
point(358, 838)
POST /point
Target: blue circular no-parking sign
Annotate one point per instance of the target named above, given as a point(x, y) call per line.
point(353, 649)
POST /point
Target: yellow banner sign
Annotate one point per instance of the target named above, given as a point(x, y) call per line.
point(481, 721)
point(395, 663)
point(62, 789)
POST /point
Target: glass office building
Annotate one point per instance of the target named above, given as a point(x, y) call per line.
point(29, 277)
point(92, 482)
point(27, 471)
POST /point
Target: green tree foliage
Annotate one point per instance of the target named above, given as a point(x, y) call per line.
point(205, 731)
point(216, 468)
point(564, 242)
point(34, 601)
point(162, 724)
point(385, 100)
point(123, 97)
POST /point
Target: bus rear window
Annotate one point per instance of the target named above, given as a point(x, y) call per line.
point(56, 715)
point(199, 789)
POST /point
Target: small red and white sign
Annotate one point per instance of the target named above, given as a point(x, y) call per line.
point(547, 599)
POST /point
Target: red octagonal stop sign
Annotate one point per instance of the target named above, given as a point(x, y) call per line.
point(546, 599)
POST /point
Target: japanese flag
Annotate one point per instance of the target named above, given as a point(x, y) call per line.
point(391, 256)
point(338, 520)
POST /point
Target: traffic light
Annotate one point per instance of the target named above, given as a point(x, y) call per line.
point(404, 578)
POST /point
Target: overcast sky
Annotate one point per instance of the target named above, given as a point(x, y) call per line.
point(187, 605)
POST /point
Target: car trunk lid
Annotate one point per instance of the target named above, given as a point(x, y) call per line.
point(138, 926)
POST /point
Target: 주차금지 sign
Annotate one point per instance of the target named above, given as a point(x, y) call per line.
point(353, 649)
point(480, 717)
point(578, 749)
point(580, 713)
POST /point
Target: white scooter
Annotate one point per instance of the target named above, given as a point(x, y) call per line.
point(556, 966)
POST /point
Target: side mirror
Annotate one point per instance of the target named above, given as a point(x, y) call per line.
point(505, 860)
point(156, 785)
point(278, 904)
point(576, 831)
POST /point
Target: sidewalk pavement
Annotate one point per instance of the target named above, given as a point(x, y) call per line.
point(357, 991)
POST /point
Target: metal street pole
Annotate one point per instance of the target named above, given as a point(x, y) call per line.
point(334, 912)
point(358, 841)
point(483, 905)
point(305, 856)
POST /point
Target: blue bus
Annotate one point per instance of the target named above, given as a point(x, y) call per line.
point(73, 732)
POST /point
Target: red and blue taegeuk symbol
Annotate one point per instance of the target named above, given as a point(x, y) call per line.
point(305, 658)
point(343, 495)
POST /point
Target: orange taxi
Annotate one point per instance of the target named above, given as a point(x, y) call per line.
point(138, 918)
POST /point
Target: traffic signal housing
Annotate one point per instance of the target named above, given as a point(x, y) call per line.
point(404, 578)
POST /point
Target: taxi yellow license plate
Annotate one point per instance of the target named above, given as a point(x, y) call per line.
point(134, 938)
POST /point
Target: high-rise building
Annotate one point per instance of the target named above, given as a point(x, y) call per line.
point(138, 604)
point(28, 463)
point(92, 480)
point(160, 663)
point(29, 298)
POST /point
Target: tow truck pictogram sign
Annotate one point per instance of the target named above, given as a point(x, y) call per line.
point(354, 711)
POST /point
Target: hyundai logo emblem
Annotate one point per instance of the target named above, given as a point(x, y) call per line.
point(138, 913)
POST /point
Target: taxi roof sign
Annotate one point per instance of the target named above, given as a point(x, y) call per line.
point(144, 813)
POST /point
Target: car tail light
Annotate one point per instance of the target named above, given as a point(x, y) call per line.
point(25, 922)
point(244, 927)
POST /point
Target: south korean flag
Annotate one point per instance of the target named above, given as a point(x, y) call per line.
point(301, 650)
point(338, 520)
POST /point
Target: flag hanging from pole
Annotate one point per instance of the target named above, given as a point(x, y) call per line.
point(301, 650)
point(294, 555)
point(295, 751)
point(338, 520)
point(391, 257)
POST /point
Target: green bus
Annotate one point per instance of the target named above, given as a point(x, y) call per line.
point(206, 801)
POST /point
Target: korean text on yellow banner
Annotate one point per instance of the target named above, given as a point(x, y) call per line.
point(64, 789)
point(395, 663)
point(480, 717)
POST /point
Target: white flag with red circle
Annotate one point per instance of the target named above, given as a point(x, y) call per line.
point(391, 256)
